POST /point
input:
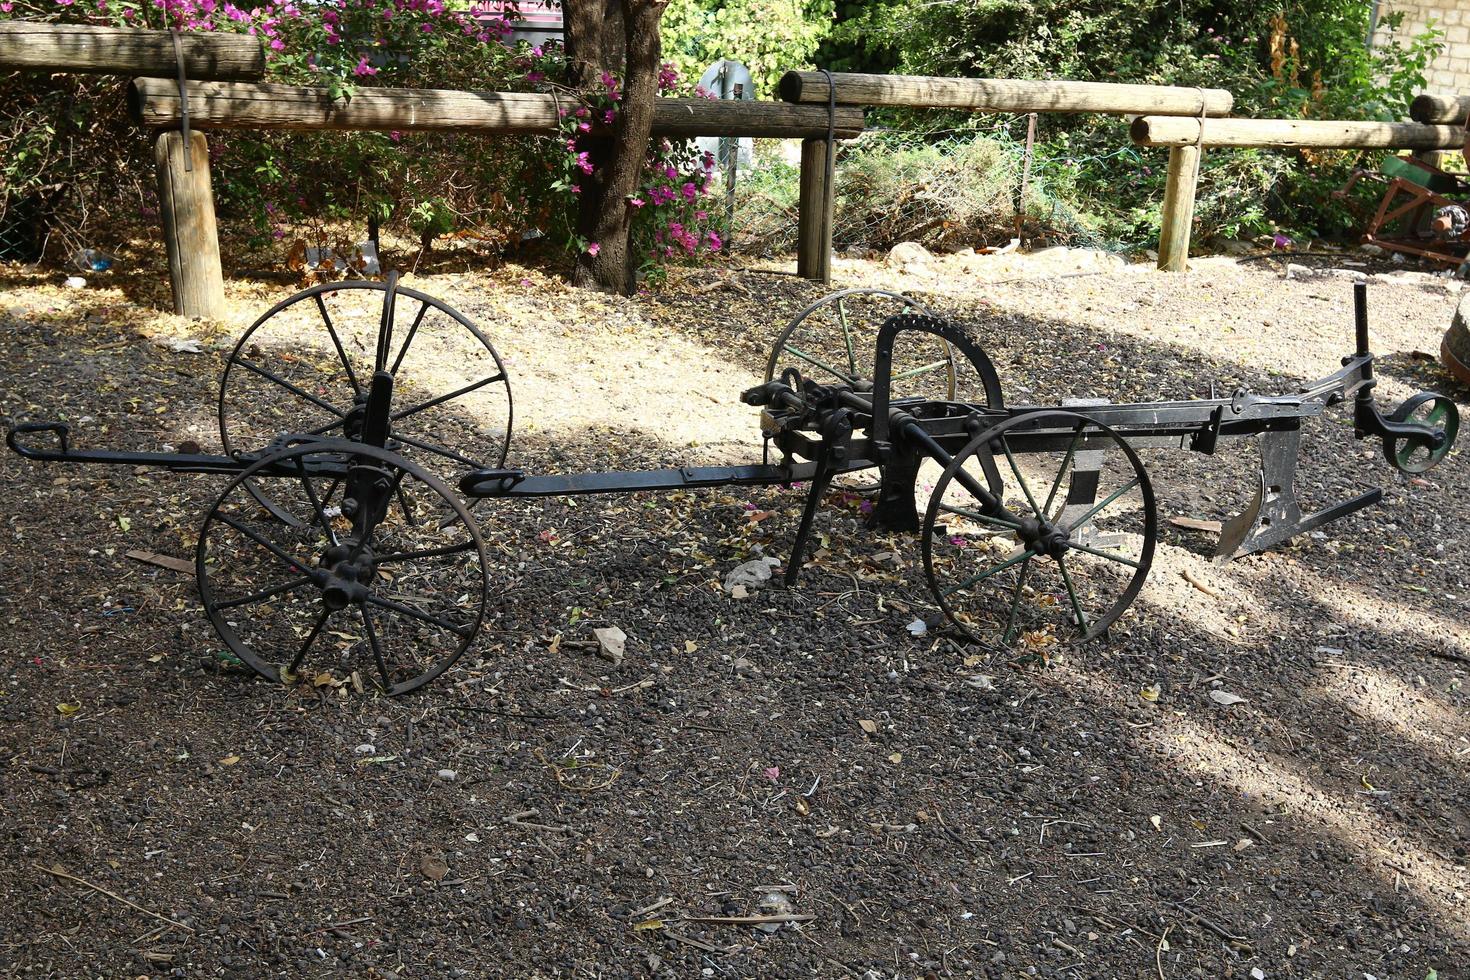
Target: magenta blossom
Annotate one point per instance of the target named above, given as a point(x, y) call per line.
point(593, 249)
point(363, 68)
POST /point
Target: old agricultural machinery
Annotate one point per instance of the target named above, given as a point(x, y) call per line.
point(363, 421)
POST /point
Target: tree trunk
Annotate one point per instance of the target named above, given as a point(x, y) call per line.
point(608, 217)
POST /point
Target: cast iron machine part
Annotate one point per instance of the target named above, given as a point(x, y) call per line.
point(338, 545)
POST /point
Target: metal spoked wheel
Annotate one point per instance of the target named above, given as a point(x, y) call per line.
point(1425, 408)
point(363, 576)
point(1067, 550)
point(305, 367)
point(834, 341)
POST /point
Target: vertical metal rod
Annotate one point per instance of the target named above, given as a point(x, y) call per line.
point(1360, 317)
point(1025, 172)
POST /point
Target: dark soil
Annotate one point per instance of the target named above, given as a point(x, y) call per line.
point(919, 807)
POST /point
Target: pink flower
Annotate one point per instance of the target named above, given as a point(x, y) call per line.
point(772, 773)
point(714, 241)
point(427, 28)
point(279, 45)
point(363, 68)
point(689, 191)
point(576, 189)
point(584, 127)
point(608, 116)
point(6, 8)
point(594, 248)
point(534, 76)
point(670, 172)
point(636, 202)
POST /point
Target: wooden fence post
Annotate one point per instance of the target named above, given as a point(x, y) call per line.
point(814, 214)
point(1178, 213)
point(186, 208)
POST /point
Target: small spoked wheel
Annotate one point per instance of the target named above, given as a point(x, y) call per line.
point(1428, 409)
point(1041, 531)
point(834, 342)
point(306, 365)
point(367, 575)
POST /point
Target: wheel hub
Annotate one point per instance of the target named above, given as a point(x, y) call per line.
point(350, 572)
point(1043, 537)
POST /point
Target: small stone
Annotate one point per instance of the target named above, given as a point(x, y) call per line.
point(366, 748)
point(448, 775)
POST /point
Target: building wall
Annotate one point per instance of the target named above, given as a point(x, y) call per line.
point(1449, 74)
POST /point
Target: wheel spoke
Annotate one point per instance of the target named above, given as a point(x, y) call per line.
point(372, 636)
point(1066, 462)
point(1005, 638)
point(403, 351)
point(316, 505)
point(914, 372)
point(993, 569)
point(1072, 594)
point(975, 515)
point(295, 563)
point(310, 639)
point(824, 366)
point(473, 386)
point(336, 342)
point(438, 450)
point(263, 594)
point(448, 549)
point(404, 506)
point(418, 614)
point(1098, 508)
point(1072, 546)
point(1006, 448)
point(846, 336)
point(298, 392)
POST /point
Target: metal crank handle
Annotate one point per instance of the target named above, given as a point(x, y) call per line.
point(61, 429)
point(178, 462)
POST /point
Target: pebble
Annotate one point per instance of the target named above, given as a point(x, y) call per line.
point(366, 748)
point(448, 775)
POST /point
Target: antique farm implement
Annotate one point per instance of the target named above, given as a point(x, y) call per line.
point(358, 419)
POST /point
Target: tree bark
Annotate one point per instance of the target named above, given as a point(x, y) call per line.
point(609, 217)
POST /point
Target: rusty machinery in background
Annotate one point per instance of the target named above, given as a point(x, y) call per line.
point(343, 536)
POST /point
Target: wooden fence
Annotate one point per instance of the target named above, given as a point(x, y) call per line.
point(817, 107)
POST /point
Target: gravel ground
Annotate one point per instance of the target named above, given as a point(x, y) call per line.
point(913, 806)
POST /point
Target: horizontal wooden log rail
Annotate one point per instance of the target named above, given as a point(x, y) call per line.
point(1440, 109)
point(1185, 137)
point(1004, 94)
point(222, 105)
point(29, 46)
point(1322, 134)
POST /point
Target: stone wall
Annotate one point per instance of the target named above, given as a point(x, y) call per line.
point(1450, 72)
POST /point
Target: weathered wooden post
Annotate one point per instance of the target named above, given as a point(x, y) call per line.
point(186, 208)
point(814, 213)
point(1178, 214)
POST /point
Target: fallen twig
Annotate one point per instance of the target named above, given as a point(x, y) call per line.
point(1199, 583)
point(59, 873)
point(747, 920)
point(1210, 926)
point(518, 820)
point(1159, 952)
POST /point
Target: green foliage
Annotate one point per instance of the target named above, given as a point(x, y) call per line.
point(1295, 58)
point(769, 36)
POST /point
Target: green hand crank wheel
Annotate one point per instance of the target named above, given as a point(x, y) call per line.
point(1434, 411)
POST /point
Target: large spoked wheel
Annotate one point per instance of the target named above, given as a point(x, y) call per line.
point(835, 340)
point(366, 575)
point(306, 365)
point(1064, 543)
point(1428, 409)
